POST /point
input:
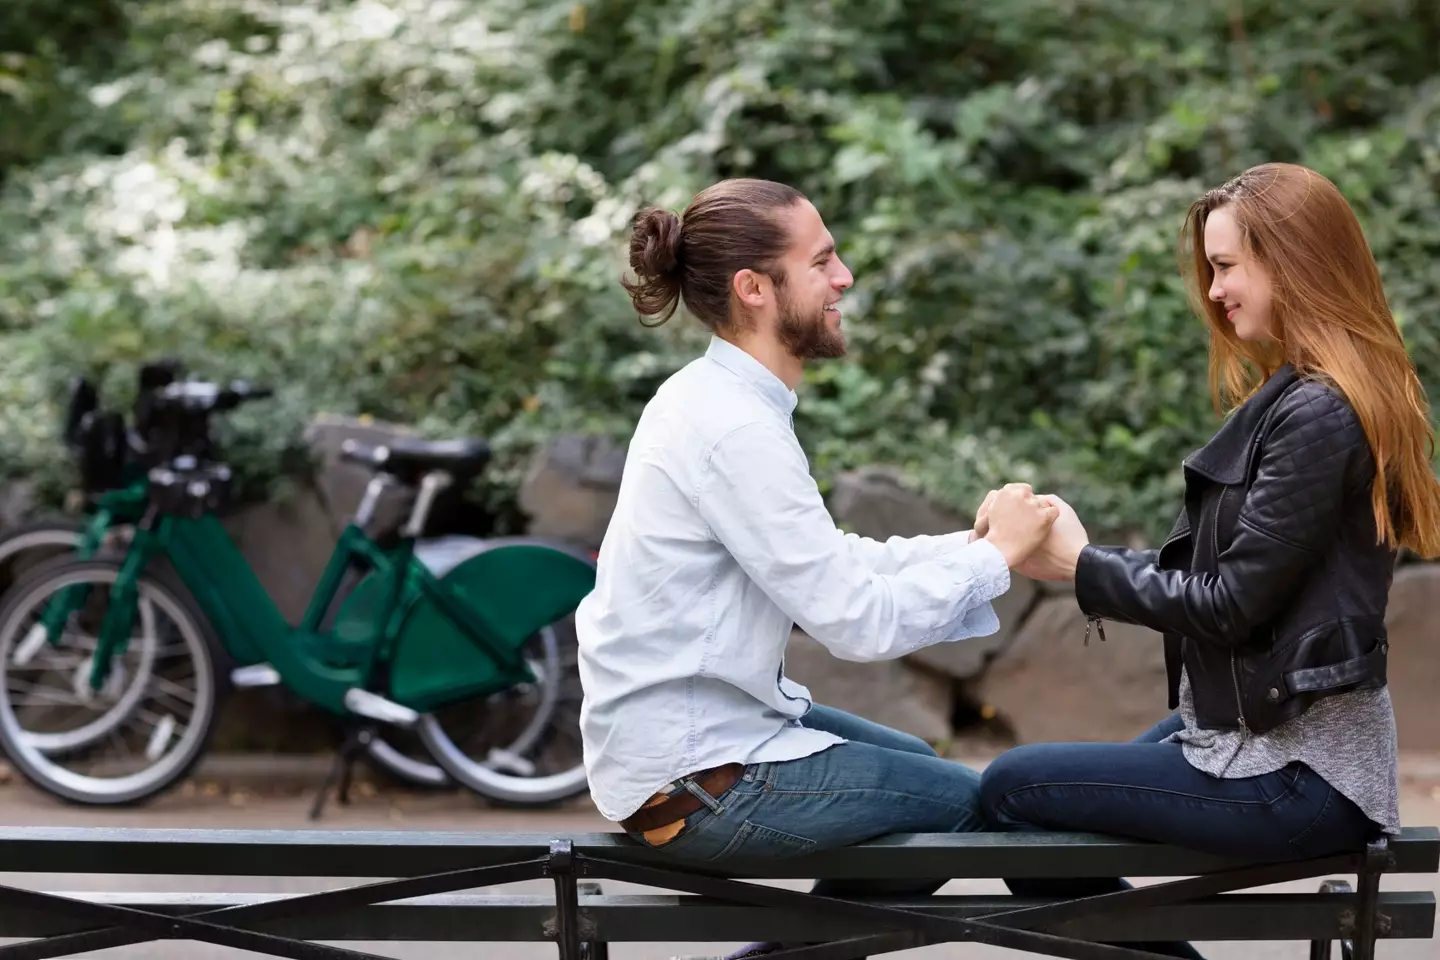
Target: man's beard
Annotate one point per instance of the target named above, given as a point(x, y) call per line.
point(808, 335)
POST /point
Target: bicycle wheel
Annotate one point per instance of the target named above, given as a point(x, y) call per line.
point(161, 694)
point(529, 707)
point(405, 754)
point(520, 747)
point(25, 546)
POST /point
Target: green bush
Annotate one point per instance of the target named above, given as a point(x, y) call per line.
point(417, 210)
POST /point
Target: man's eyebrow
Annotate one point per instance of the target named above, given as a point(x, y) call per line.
point(824, 251)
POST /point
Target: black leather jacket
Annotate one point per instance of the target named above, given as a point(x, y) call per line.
point(1271, 588)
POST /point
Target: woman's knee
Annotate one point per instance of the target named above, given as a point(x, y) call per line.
point(1009, 778)
point(1000, 778)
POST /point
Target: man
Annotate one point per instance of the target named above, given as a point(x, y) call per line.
point(695, 740)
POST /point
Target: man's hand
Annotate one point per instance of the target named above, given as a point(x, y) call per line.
point(1057, 557)
point(1017, 521)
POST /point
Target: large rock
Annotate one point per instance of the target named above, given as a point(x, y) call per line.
point(570, 488)
point(341, 485)
point(1048, 686)
point(1414, 669)
point(17, 503)
point(874, 502)
point(889, 692)
point(287, 543)
point(965, 659)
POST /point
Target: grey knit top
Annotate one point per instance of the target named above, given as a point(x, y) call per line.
point(1348, 739)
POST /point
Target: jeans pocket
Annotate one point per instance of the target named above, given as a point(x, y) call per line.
point(693, 827)
point(762, 842)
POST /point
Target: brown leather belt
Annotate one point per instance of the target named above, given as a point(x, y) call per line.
point(682, 802)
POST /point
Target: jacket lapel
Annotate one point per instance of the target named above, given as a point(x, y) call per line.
point(1225, 459)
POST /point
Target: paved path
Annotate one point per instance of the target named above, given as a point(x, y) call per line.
point(21, 806)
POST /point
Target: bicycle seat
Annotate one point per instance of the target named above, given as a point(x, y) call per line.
point(408, 458)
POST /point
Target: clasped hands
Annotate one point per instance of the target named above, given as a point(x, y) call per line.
point(1039, 535)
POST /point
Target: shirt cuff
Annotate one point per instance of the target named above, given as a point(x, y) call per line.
point(989, 578)
point(992, 566)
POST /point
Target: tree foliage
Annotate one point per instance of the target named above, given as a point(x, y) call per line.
point(416, 209)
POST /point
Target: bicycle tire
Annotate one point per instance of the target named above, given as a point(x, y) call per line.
point(50, 536)
point(162, 586)
point(481, 778)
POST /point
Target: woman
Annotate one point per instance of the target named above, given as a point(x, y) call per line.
point(1271, 589)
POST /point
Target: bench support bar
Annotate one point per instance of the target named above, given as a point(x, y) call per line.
point(1014, 929)
point(576, 939)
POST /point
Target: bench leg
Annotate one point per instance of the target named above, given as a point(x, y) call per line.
point(561, 867)
point(1323, 949)
point(593, 949)
point(1369, 923)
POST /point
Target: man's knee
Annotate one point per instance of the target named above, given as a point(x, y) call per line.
point(913, 744)
point(861, 730)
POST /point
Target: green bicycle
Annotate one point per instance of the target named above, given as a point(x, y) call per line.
point(418, 640)
point(112, 460)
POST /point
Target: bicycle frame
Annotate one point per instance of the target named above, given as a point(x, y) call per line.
point(121, 507)
point(252, 627)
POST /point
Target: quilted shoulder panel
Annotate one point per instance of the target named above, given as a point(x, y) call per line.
point(1305, 465)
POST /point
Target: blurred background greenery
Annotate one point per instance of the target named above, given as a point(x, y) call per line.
point(416, 210)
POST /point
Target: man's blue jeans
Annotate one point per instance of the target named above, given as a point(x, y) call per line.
point(880, 782)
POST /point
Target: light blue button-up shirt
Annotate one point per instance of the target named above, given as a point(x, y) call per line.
point(718, 545)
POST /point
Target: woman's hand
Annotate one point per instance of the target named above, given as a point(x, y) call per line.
point(1058, 556)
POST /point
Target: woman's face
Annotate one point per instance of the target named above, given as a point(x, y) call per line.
point(1241, 284)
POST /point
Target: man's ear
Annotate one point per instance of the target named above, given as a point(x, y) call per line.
point(751, 289)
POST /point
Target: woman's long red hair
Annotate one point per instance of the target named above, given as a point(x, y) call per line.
point(1330, 319)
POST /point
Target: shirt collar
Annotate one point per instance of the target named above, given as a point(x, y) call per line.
point(753, 372)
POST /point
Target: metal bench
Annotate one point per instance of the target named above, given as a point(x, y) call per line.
point(581, 918)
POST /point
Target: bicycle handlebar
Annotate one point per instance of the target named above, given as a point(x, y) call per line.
point(201, 396)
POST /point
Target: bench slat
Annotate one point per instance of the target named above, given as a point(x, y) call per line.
point(671, 918)
point(394, 853)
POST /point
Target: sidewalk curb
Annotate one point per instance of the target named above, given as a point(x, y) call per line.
point(270, 771)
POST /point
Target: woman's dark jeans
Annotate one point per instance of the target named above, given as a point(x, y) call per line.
point(1147, 790)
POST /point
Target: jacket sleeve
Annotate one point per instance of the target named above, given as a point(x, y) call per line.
point(1290, 514)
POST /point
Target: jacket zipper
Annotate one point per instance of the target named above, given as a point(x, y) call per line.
point(1098, 623)
point(1234, 673)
